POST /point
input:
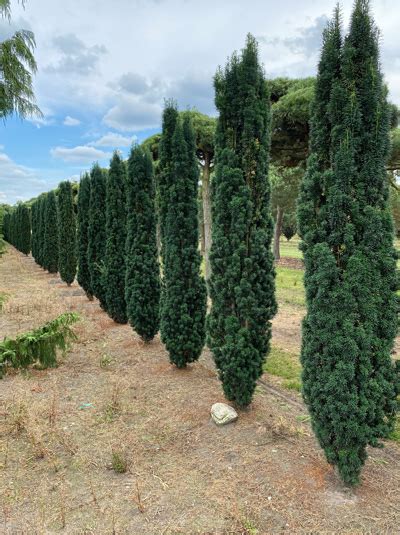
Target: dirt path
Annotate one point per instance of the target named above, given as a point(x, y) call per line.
point(114, 397)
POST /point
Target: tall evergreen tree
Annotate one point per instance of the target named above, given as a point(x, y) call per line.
point(41, 228)
point(51, 245)
point(66, 233)
point(83, 235)
point(242, 285)
point(349, 381)
point(114, 260)
point(24, 237)
point(165, 168)
point(184, 293)
point(142, 268)
point(34, 229)
point(97, 233)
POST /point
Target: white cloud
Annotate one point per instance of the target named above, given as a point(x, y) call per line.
point(112, 139)
point(133, 114)
point(17, 181)
point(75, 56)
point(79, 155)
point(71, 121)
point(41, 121)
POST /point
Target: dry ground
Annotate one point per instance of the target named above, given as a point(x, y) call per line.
point(115, 399)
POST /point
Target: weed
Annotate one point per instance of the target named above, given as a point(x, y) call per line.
point(119, 462)
point(106, 360)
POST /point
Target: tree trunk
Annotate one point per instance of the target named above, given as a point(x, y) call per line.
point(277, 233)
point(207, 213)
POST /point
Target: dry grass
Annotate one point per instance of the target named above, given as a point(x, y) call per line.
point(116, 440)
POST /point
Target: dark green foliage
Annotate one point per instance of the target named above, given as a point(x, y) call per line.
point(242, 283)
point(50, 252)
point(17, 227)
point(66, 233)
point(97, 233)
point(41, 219)
point(142, 268)
point(289, 225)
point(25, 229)
point(165, 167)
point(83, 235)
point(114, 261)
point(183, 304)
point(349, 381)
point(38, 346)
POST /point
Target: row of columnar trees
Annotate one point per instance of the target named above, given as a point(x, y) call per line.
point(17, 228)
point(54, 232)
point(349, 382)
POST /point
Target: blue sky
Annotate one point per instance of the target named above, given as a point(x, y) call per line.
point(105, 69)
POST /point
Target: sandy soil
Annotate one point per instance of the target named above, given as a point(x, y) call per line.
point(112, 397)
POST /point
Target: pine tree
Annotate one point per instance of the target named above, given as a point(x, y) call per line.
point(83, 235)
point(66, 233)
point(142, 268)
point(51, 245)
point(114, 260)
point(97, 233)
point(349, 381)
point(242, 285)
point(183, 305)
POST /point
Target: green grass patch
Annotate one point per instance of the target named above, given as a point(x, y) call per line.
point(289, 286)
point(290, 249)
point(286, 365)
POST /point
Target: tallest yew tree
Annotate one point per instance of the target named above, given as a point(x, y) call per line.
point(349, 380)
point(241, 286)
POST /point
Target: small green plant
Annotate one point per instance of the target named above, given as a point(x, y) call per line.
point(38, 346)
point(250, 527)
point(119, 462)
point(106, 360)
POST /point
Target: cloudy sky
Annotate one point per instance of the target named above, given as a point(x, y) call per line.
point(105, 69)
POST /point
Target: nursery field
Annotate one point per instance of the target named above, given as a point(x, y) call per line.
point(116, 440)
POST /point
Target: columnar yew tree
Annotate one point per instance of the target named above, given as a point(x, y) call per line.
point(242, 286)
point(24, 237)
point(114, 261)
point(142, 268)
point(41, 228)
point(66, 233)
point(165, 168)
point(51, 244)
point(349, 381)
point(83, 235)
point(97, 233)
point(34, 237)
point(184, 293)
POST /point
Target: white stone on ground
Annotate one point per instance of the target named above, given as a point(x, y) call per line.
point(223, 414)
